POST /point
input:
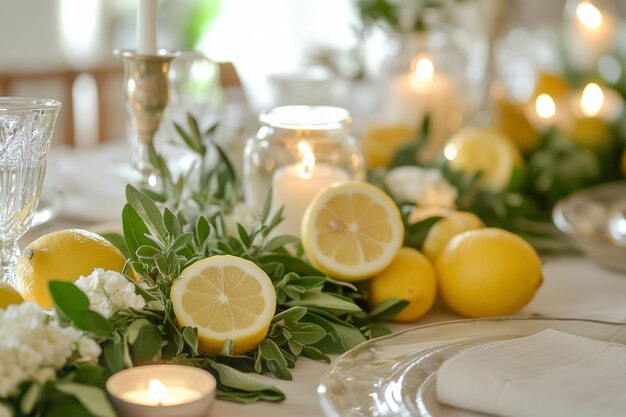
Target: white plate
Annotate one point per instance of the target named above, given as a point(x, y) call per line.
point(394, 375)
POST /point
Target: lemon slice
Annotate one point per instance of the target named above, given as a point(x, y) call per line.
point(352, 231)
point(225, 297)
point(473, 150)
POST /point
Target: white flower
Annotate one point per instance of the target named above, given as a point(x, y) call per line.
point(109, 292)
point(88, 350)
point(33, 347)
point(5, 411)
point(242, 214)
point(422, 186)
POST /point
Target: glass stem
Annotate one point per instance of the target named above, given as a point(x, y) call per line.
point(9, 253)
point(147, 172)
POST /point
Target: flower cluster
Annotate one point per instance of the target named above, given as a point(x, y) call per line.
point(34, 347)
point(109, 292)
point(421, 186)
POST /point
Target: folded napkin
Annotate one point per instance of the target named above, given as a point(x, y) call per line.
point(547, 374)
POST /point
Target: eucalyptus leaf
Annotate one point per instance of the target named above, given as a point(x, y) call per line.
point(190, 335)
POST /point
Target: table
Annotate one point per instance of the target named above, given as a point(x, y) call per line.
point(92, 185)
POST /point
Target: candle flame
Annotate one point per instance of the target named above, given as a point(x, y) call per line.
point(545, 106)
point(308, 159)
point(157, 391)
point(450, 151)
point(424, 69)
point(589, 15)
point(592, 100)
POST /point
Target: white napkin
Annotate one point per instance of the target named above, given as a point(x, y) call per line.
point(547, 374)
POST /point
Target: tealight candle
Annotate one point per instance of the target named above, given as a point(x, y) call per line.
point(294, 186)
point(543, 112)
point(162, 391)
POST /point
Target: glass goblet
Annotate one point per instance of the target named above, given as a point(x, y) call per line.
point(26, 126)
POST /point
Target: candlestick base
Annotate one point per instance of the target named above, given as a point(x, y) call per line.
point(146, 90)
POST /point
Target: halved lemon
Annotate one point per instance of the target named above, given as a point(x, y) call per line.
point(352, 231)
point(225, 297)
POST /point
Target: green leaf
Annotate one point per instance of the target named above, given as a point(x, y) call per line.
point(191, 142)
point(92, 398)
point(30, 398)
point(147, 210)
point(307, 333)
point(291, 264)
point(387, 309)
point(118, 241)
point(241, 386)
point(171, 223)
point(147, 344)
point(293, 314)
point(315, 354)
point(340, 336)
point(190, 335)
point(93, 322)
point(134, 230)
point(68, 299)
point(325, 301)
point(113, 354)
point(64, 405)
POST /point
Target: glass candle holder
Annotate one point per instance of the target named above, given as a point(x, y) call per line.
point(298, 151)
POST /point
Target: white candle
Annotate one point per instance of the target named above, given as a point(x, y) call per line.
point(294, 186)
point(423, 91)
point(543, 112)
point(162, 391)
point(596, 101)
point(147, 27)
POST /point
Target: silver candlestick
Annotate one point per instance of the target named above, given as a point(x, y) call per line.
point(146, 88)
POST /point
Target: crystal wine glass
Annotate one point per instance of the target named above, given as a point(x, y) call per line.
point(26, 126)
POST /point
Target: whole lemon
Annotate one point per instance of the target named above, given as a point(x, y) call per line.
point(410, 277)
point(488, 272)
point(445, 229)
point(64, 255)
point(486, 151)
point(9, 295)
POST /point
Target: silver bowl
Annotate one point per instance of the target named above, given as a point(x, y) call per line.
point(595, 219)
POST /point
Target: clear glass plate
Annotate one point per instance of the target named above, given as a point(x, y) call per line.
point(394, 375)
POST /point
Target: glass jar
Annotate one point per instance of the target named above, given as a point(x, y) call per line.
point(298, 151)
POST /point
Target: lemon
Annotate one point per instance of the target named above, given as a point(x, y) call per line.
point(445, 229)
point(554, 85)
point(420, 213)
point(63, 255)
point(488, 272)
point(590, 131)
point(512, 122)
point(380, 143)
point(9, 295)
point(352, 231)
point(488, 151)
point(225, 297)
point(410, 277)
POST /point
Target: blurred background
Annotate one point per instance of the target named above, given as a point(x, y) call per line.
point(341, 52)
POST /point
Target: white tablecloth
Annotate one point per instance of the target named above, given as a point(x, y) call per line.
point(92, 182)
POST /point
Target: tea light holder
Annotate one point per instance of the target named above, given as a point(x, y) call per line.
point(162, 391)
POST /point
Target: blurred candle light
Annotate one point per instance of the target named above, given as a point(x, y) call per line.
point(589, 33)
point(545, 107)
point(589, 15)
point(592, 100)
